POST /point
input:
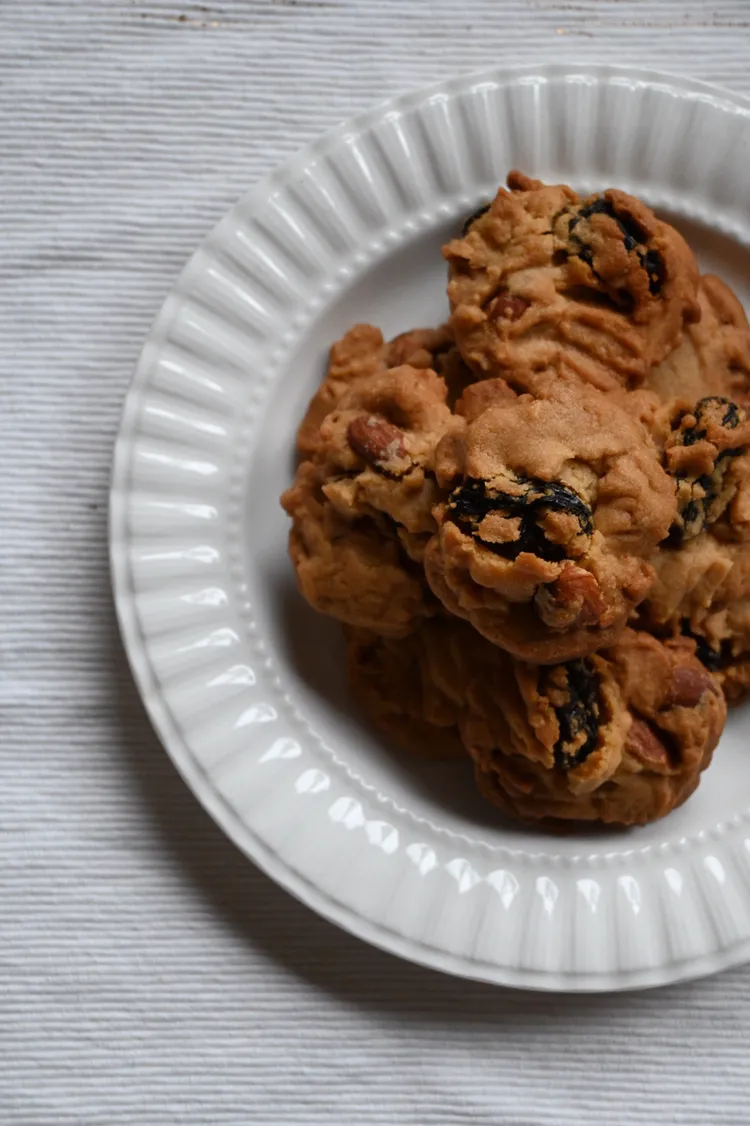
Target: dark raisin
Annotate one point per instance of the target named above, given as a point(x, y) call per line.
point(700, 507)
point(711, 657)
point(691, 512)
point(480, 211)
point(653, 264)
point(732, 415)
point(472, 501)
point(579, 715)
point(631, 232)
point(586, 254)
point(598, 206)
point(632, 237)
point(712, 405)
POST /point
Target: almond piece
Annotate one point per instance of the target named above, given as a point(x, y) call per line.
point(686, 686)
point(507, 307)
point(378, 442)
point(644, 745)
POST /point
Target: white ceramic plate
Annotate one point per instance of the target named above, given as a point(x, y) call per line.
point(245, 684)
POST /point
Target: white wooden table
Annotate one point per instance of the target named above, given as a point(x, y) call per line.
point(149, 975)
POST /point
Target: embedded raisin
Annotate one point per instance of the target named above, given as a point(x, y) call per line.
point(715, 409)
point(472, 501)
point(653, 264)
point(578, 717)
point(632, 236)
point(711, 657)
point(631, 233)
point(697, 496)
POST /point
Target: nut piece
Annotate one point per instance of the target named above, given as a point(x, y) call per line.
point(379, 443)
point(507, 306)
point(644, 745)
point(575, 597)
point(686, 687)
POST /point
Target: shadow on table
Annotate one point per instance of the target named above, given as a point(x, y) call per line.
point(295, 937)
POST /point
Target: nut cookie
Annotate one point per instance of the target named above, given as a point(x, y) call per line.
point(553, 507)
point(594, 287)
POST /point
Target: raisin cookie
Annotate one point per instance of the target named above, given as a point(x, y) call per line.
point(705, 448)
point(702, 591)
point(544, 279)
point(354, 570)
point(708, 454)
point(362, 504)
point(361, 354)
point(553, 507)
point(620, 737)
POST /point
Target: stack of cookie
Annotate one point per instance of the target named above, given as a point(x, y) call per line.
point(534, 521)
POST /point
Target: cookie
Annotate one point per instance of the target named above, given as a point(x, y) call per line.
point(714, 355)
point(705, 448)
point(419, 347)
point(376, 450)
point(708, 455)
point(621, 736)
point(356, 571)
point(358, 356)
point(553, 507)
point(545, 280)
point(362, 504)
point(702, 591)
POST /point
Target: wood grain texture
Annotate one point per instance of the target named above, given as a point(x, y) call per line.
point(148, 974)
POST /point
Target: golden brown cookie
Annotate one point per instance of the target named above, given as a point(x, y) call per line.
point(702, 591)
point(553, 507)
point(420, 347)
point(355, 570)
point(621, 736)
point(477, 397)
point(714, 355)
point(705, 448)
point(376, 450)
point(361, 354)
point(361, 506)
point(545, 280)
point(708, 455)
